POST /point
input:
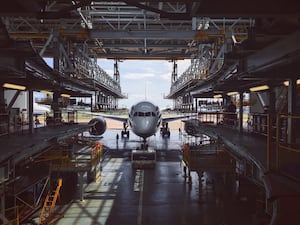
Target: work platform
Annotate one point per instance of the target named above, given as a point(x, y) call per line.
point(35, 160)
point(255, 159)
point(23, 145)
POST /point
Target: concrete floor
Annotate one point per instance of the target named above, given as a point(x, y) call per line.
point(127, 196)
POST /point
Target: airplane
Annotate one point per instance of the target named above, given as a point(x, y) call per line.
point(39, 109)
point(144, 118)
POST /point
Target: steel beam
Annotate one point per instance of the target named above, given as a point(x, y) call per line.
point(141, 34)
point(281, 52)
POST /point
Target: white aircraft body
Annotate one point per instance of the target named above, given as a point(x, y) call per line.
point(39, 109)
point(144, 118)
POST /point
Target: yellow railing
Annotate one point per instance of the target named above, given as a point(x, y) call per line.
point(77, 162)
point(288, 145)
point(283, 149)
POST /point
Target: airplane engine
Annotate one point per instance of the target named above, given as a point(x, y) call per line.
point(98, 126)
point(191, 125)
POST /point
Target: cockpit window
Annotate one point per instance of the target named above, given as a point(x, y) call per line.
point(144, 114)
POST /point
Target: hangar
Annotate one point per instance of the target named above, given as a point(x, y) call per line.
point(236, 50)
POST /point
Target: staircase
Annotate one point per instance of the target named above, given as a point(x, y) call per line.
point(49, 204)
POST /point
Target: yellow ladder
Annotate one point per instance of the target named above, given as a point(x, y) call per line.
point(49, 203)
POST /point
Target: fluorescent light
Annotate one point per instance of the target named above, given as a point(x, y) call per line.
point(14, 86)
point(65, 95)
point(259, 88)
point(47, 92)
point(217, 96)
point(232, 93)
point(286, 83)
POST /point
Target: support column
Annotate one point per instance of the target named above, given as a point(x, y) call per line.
point(116, 72)
point(292, 100)
point(191, 103)
point(92, 104)
point(241, 112)
point(30, 110)
point(2, 190)
point(56, 108)
point(272, 101)
point(56, 52)
point(2, 100)
point(196, 104)
point(174, 72)
point(81, 191)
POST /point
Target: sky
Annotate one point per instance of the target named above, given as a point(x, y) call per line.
point(145, 79)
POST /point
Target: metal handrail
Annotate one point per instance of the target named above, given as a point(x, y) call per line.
point(285, 143)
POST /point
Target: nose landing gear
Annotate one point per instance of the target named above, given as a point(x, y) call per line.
point(164, 130)
point(125, 132)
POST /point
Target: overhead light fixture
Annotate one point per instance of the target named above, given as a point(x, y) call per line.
point(232, 93)
point(286, 83)
point(65, 95)
point(14, 86)
point(47, 92)
point(217, 96)
point(259, 88)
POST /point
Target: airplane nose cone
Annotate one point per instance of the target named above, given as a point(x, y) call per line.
point(146, 127)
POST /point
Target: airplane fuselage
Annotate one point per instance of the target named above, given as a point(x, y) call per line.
point(144, 119)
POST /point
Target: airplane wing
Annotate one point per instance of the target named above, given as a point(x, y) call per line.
point(173, 118)
point(117, 118)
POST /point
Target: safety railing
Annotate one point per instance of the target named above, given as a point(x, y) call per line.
point(210, 156)
point(82, 161)
point(215, 118)
point(259, 123)
point(287, 145)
